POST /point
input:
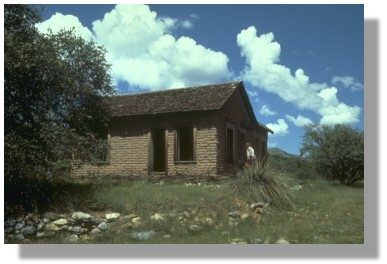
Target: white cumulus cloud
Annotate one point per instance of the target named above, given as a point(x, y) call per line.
point(262, 70)
point(144, 53)
point(59, 22)
point(280, 128)
point(348, 82)
point(299, 121)
point(265, 111)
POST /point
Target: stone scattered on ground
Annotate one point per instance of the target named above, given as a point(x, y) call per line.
point(282, 241)
point(157, 217)
point(194, 228)
point(103, 226)
point(112, 216)
point(142, 235)
point(60, 222)
point(81, 216)
point(77, 224)
point(234, 215)
point(257, 241)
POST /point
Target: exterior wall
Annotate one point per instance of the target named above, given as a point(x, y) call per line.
point(235, 116)
point(130, 140)
point(131, 143)
point(128, 155)
point(206, 148)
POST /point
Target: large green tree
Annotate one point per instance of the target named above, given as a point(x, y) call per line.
point(337, 151)
point(53, 85)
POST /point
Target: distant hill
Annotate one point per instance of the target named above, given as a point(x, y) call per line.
point(284, 162)
point(280, 152)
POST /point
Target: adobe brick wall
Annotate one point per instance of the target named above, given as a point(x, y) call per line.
point(130, 139)
point(129, 147)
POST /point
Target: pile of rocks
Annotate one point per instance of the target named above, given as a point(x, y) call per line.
point(76, 226)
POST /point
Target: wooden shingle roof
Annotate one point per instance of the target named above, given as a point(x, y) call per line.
point(200, 98)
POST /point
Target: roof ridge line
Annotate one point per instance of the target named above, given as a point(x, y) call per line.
point(173, 89)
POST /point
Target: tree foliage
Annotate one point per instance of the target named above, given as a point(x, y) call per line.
point(53, 85)
point(337, 151)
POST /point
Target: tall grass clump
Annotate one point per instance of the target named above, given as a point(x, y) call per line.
point(258, 182)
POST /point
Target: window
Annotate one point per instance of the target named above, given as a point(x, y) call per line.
point(185, 144)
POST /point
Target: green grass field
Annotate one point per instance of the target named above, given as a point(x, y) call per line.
point(323, 213)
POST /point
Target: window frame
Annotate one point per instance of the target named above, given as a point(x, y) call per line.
point(178, 130)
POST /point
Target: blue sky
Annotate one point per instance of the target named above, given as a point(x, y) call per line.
point(299, 63)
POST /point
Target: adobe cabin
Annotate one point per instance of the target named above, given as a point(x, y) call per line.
point(197, 131)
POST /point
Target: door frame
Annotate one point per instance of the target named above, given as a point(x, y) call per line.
point(151, 155)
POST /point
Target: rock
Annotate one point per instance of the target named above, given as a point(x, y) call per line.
point(75, 229)
point(96, 231)
point(64, 227)
point(28, 230)
point(46, 220)
point(296, 187)
point(10, 222)
point(238, 241)
point(136, 219)
point(61, 222)
point(103, 226)
point(20, 225)
point(95, 221)
point(157, 217)
point(234, 215)
point(136, 222)
point(194, 228)
point(72, 238)
point(20, 237)
point(257, 205)
point(244, 216)
point(167, 236)
point(282, 241)
point(208, 221)
point(257, 241)
point(80, 216)
point(84, 230)
point(52, 227)
point(40, 234)
point(186, 214)
point(142, 235)
point(112, 216)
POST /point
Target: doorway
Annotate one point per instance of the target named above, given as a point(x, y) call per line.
point(159, 149)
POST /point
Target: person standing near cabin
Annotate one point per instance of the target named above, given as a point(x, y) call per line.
point(250, 155)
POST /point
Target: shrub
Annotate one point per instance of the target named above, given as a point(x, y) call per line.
point(337, 151)
point(259, 183)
